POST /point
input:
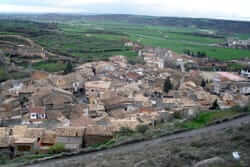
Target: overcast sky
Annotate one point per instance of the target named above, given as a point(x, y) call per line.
point(237, 9)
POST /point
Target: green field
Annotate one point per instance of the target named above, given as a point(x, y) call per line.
point(49, 66)
point(88, 40)
point(174, 38)
point(203, 119)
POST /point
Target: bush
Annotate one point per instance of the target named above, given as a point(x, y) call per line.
point(142, 128)
point(57, 148)
point(69, 68)
point(125, 131)
point(241, 109)
point(177, 115)
point(215, 105)
point(137, 60)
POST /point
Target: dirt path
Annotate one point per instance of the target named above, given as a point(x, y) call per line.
point(30, 42)
point(33, 44)
point(140, 147)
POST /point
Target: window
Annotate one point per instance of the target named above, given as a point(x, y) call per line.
point(42, 116)
point(33, 116)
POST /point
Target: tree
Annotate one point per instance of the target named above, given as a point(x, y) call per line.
point(69, 68)
point(167, 85)
point(215, 105)
point(203, 83)
point(187, 51)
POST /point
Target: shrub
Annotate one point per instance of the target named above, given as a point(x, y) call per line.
point(142, 128)
point(69, 68)
point(177, 115)
point(57, 148)
point(215, 105)
point(124, 131)
point(241, 109)
point(137, 60)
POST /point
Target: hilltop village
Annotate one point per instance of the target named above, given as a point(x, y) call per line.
point(87, 106)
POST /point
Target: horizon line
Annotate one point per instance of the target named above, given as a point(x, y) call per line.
point(241, 19)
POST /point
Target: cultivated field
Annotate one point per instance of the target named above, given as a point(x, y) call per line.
point(88, 38)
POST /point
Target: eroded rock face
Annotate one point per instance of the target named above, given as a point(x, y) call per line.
point(213, 162)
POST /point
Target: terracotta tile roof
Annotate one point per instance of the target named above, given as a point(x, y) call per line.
point(81, 121)
point(34, 132)
point(96, 130)
point(230, 76)
point(38, 110)
point(147, 110)
point(134, 76)
point(71, 131)
point(98, 84)
point(20, 131)
point(116, 101)
point(57, 98)
point(19, 140)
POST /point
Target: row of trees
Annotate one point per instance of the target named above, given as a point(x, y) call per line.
point(195, 54)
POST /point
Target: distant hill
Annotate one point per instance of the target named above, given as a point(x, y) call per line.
point(223, 26)
point(226, 26)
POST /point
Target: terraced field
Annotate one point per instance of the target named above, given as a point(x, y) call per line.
point(87, 38)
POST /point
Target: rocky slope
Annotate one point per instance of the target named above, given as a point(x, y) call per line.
point(218, 143)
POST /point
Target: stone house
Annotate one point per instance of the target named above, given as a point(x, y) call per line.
point(133, 77)
point(245, 73)
point(37, 113)
point(4, 138)
point(26, 140)
point(48, 138)
point(72, 82)
point(96, 88)
point(119, 60)
point(71, 137)
point(56, 99)
point(25, 144)
point(97, 135)
point(118, 103)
